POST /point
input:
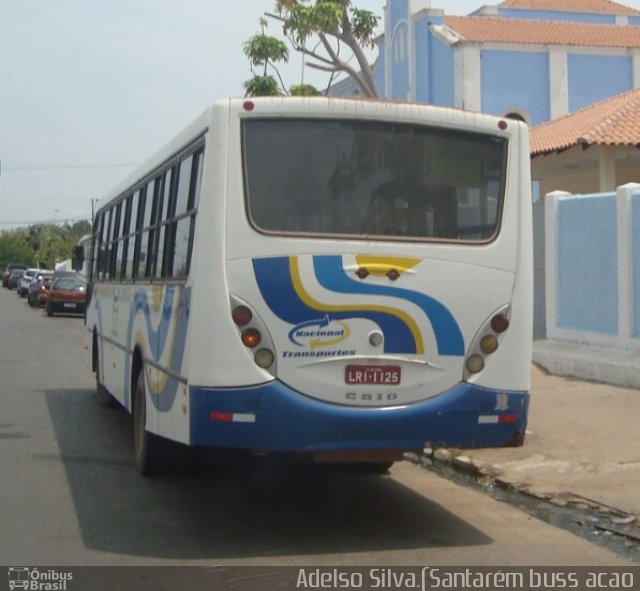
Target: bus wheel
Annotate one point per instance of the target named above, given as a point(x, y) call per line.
point(150, 449)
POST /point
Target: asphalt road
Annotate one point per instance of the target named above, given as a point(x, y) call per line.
point(70, 493)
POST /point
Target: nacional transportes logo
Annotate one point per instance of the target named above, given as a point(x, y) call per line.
point(319, 333)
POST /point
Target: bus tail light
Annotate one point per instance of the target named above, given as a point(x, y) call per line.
point(241, 315)
point(499, 323)
point(474, 364)
point(253, 335)
point(264, 358)
point(486, 342)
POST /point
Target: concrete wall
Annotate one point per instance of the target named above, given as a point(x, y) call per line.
point(592, 267)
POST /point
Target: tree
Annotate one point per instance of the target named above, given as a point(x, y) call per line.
point(41, 244)
point(334, 23)
point(15, 248)
point(264, 51)
point(319, 29)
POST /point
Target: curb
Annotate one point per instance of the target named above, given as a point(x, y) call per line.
point(586, 512)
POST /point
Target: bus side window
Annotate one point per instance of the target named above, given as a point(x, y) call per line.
point(126, 220)
point(105, 246)
point(115, 243)
point(98, 247)
point(150, 218)
point(136, 271)
point(176, 262)
point(163, 218)
point(180, 238)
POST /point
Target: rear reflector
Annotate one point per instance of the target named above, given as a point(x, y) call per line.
point(497, 419)
point(232, 417)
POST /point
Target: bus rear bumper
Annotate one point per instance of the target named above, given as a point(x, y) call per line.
point(273, 418)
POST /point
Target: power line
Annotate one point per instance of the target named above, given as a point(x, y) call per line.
point(30, 168)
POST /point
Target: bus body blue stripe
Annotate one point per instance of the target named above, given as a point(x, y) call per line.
point(273, 277)
point(287, 421)
point(274, 281)
point(331, 275)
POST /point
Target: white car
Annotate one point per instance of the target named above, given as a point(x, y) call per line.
point(23, 283)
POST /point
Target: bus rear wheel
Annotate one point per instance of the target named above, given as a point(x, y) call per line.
point(150, 449)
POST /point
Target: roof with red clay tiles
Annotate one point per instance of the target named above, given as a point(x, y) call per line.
point(483, 29)
point(613, 122)
point(588, 6)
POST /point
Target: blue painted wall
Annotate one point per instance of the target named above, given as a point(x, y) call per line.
point(442, 84)
point(397, 10)
point(635, 265)
point(587, 264)
point(516, 80)
point(593, 78)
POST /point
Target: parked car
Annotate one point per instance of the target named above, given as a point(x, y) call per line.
point(39, 289)
point(67, 295)
point(14, 277)
point(57, 274)
point(7, 272)
point(25, 281)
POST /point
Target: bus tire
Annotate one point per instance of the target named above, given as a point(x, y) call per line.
point(150, 449)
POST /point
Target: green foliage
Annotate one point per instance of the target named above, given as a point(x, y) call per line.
point(262, 86)
point(301, 19)
point(41, 244)
point(363, 25)
point(304, 90)
point(262, 49)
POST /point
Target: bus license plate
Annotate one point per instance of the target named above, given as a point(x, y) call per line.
point(372, 374)
point(69, 305)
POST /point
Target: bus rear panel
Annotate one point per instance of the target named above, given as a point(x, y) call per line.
point(341, 278)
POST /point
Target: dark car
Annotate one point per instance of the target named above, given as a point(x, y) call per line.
point(39, 289)
point(7, 272)
point(14, 277)
point(67, 295)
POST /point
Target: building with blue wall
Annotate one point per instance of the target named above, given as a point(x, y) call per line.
point(512, 58)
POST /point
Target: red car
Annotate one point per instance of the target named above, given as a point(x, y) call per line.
point(67, 295)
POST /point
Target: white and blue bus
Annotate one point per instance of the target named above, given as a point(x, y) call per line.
point(347, 279)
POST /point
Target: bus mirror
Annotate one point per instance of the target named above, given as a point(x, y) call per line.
point(77, 258)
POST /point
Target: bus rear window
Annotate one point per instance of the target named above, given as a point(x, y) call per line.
point(376, 180)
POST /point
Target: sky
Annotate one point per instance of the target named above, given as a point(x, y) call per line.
point(91, 89)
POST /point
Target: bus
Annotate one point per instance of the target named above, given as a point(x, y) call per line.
point(343, 279)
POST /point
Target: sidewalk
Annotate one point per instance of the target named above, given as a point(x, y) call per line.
point(582, 442)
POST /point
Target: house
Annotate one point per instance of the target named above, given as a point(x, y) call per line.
point(593, 149)
point(537, 60)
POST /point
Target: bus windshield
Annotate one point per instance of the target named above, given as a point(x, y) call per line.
point(372, 179)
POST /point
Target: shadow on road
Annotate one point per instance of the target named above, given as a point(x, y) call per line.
point(232, 509)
